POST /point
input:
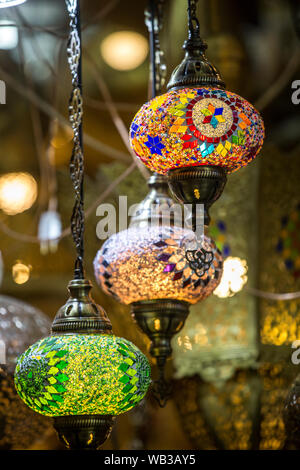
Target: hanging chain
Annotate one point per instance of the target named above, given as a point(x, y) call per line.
point(194, 27)
point(158, 68)
point(75, 116)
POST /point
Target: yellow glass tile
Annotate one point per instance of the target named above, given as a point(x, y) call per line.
point(219, 148)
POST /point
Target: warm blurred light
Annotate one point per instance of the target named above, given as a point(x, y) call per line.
point(49, 231)
point(62, 137)
point(10, 3)
point(8, 34)
point(20, 272)
point(124, 50)
point(18, 192)
point(234, 277)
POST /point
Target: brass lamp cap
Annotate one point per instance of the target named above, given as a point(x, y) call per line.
point(81, 314)
point(195, 70)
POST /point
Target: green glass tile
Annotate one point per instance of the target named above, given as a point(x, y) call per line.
point(61, 353)
point(62, 365)
point(57, 398)
point(124, 379)
point(60, 388)
point(127, 388)
point(62, 377)
point(123, 367)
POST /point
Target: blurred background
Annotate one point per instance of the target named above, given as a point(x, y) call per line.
point(232, 361)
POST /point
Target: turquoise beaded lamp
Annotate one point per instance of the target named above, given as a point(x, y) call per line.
point(82, 375)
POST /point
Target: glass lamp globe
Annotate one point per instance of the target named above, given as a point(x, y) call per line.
point(144, 264)
point(82, 375)
point(197, 126)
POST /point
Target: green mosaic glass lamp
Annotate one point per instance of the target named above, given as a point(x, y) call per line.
point(197, 133)
point(82, 375)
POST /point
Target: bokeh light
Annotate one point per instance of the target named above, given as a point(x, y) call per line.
point(62, 137)
point(234, 277)
point(20, 272)
point(18, 192)
point(8, 34)
point(124, 50)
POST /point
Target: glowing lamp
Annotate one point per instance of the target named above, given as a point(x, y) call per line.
point(151, 267)
point(197, 126)
point(146, 264)
point(197, 132)
point(82, 374)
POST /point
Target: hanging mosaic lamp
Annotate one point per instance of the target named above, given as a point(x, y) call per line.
point(197, 132)
point(149, 267)
point(82, 375)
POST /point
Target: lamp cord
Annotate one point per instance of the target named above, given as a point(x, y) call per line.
point(193, 22)
point(158, 68)
point(75, 115)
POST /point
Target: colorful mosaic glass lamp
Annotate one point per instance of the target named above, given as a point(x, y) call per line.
point(197, 132)
point(82, 375)
point(149, 268)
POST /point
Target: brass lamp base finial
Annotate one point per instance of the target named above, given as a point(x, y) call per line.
point(197, 185)
point(83, 432)
point(160, 320)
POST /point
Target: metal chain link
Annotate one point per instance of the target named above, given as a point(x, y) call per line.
point(154, 22)
point(75, 116)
